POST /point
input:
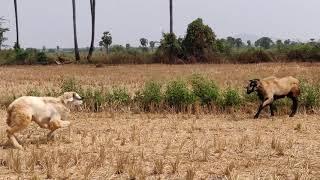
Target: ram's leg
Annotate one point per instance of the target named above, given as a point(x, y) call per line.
point(12, 137)
point(263, 105)
point(272, 108)
point(294, 107)
point(20, 122)
point(55, 124)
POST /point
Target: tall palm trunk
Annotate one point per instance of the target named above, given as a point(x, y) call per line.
point(93, 17)
point(76, 49)
point(171, 33)
point(17, 45)
point(171, 18)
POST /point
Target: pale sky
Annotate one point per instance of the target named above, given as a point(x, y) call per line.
point(49, 22)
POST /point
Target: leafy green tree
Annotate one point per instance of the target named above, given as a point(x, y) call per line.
point(128, 46)
point(106, 41)
point(249, 43)
point(152, 45)
point(264, 42)
point(2, 31)
point(223, 46)
point(238, 42)
point(287, 42)
point(279, 45)
point(231, 41)
point(199, 39)
point(170, 45)
point(144, 43)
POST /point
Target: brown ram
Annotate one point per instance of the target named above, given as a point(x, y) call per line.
point(272, 88)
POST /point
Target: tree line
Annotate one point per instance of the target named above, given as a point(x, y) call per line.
point(199, 44)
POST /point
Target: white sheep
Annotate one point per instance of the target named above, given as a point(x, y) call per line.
point(48, 112)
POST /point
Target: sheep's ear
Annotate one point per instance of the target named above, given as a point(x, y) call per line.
point(68, 100)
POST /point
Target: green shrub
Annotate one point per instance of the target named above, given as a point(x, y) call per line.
point(207, 91)
point(118, 96)
point(310, 95)
point(70, 84)
point(33, 92)
point(42, 57)
point(150, 96)
point(303, 52)
point(21, 56)
point(253, 55)
point(178, 95)
point(94, 99)
point(253, 97)
point(231, 98)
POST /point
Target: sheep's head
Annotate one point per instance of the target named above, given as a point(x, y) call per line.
point(253, 85)
point(71, 98)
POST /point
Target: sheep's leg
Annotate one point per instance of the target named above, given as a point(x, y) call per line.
point(263, 105)
point(21, 121)
point(272, 108)
point(258, 112)
point(294, 107)
point(55, 124)
point(12, 138)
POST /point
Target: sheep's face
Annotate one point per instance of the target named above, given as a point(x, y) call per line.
point(72, 98)
point(252, 86)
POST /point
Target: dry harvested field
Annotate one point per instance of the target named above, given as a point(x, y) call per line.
point(127, 145)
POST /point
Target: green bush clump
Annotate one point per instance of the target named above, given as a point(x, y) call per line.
point(118, 96)
point(178, 95)
point(94, 99)
point(253, 55)
point(151, 96)
point(207, 91)
point(21, 56)
point(231, 98)
point(42, 58)
point(70, 84)
point(310, 95)
point(33, 92)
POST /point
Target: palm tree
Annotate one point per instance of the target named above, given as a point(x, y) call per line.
point(76, 49)
point(93, 16)
point(17, 44)
point(171, 32)
point(171, 18)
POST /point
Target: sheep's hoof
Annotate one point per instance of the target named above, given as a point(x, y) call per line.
point(291, 115)
point(51, 137)
point(255, 117)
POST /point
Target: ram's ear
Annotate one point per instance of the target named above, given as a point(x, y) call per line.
point(67, 97)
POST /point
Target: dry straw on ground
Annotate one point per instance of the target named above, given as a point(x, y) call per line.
point(112, 145)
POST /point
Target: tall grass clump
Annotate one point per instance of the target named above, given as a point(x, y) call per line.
point(118, 97)
point(231, 98)
point(310, 96)
point(33, 92)
point(150, 97)
point(207, 91)
point(178, 95)
point(94, 99)
point(70, 84)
